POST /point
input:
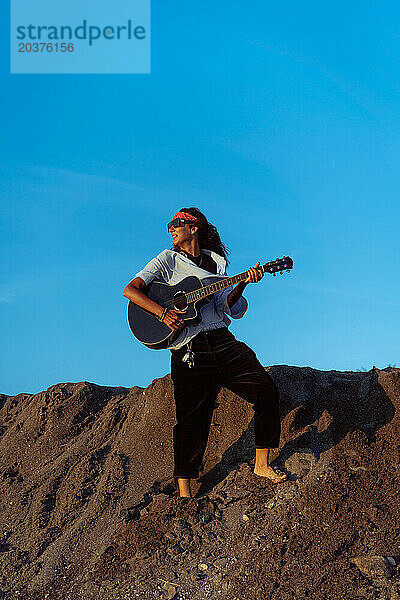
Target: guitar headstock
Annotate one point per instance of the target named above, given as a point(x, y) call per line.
point(280, 264)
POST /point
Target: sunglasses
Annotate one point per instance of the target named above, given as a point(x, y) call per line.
point(178, 223)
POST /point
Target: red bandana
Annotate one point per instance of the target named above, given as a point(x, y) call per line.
point(186, 216)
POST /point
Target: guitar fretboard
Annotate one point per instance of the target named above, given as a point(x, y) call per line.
point(207, 290)
point(220, 285)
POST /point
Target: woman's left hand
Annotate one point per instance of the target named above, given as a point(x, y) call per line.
point(254, 274)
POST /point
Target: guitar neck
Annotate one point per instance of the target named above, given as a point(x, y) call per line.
point(219, 285)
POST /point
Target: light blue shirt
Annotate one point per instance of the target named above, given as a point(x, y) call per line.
point(171, 267)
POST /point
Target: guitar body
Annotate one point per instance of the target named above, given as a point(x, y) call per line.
point(148, 329)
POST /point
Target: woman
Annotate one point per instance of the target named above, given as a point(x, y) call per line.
point(207, 356)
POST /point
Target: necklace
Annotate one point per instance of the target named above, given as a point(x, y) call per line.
point(191, 257)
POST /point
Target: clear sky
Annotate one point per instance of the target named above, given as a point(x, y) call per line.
point(280, 121)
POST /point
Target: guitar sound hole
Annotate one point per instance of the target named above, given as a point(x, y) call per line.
point(180, 302)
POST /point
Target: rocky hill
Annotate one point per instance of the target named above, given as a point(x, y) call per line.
point(89, 509)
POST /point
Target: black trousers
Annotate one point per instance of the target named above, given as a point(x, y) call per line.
point(219, 360)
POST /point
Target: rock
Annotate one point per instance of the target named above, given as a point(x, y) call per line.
point(170, 591)
point(301, 462)
point(377, 566)
point(221, 563)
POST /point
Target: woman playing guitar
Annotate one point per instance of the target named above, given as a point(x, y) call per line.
point(207, 356)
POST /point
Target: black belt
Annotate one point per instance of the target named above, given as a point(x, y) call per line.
point(187, 348)
point(211, 332)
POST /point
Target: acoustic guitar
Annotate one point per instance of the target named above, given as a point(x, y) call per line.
point(189, 295)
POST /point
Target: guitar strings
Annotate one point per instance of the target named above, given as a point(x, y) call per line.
point(172, 303)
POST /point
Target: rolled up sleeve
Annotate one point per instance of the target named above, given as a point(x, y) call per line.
point(155, 269)
point(237, 310)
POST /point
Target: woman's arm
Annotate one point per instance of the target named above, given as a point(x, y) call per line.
point(236, 293)
point(133, 292)
point(254, 276)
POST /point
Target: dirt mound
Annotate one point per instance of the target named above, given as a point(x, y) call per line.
point(90, 510)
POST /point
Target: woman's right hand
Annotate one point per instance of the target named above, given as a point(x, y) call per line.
point(173, 320)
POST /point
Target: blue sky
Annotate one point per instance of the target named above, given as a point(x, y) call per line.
point(281, 123)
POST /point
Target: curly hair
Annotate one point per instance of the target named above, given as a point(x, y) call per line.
point(208, 234)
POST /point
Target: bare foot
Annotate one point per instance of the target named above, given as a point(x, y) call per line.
point(275, 475)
